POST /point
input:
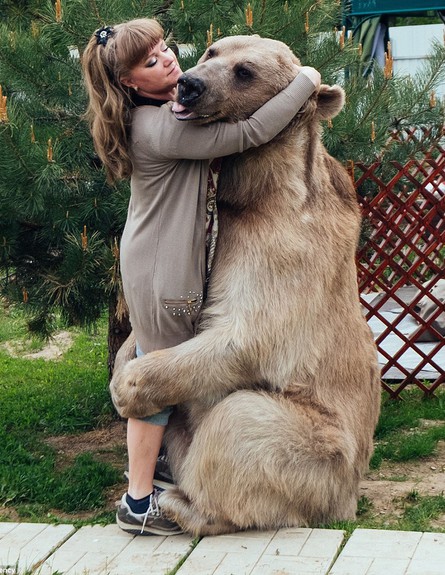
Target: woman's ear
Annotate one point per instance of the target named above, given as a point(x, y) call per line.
point(127, 82)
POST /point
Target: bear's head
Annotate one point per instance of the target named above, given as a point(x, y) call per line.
point(238, 74)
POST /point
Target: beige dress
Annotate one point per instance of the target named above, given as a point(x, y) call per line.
point(163, 244)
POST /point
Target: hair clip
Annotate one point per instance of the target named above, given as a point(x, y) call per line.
point(103, 34)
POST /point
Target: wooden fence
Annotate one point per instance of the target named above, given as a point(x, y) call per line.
point(400, 260)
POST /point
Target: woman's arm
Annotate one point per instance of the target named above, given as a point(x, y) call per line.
point(184, 140)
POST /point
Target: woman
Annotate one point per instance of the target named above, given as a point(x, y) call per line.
point(131, 77)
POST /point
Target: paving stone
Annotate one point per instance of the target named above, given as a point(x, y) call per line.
point(429, 556)
point(431, 547)
point(26, 545)
point(382, 543)
point(6, 528)
point(291, 566)
point(98, 550)
point(300, 551)
point(425, 568)
point(90, 548)
point(388, 566)
point(286, 551)
point(221, 554)
point(160, 557)
point(346, 565)
point(380, 552)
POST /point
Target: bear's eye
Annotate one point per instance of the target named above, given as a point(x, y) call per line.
point(243, 73)
point(210, 53)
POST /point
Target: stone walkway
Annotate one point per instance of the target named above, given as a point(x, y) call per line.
point(44, 549)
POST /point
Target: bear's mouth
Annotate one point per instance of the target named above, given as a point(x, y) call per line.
point(183, 113)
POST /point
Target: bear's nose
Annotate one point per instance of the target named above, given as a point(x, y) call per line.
point(189, 89)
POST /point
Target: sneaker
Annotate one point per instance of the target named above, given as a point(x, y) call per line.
point(162, 478)
point(152, 522)
point(162, 471)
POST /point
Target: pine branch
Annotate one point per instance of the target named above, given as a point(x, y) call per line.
point(7, 139)
point(375, 104)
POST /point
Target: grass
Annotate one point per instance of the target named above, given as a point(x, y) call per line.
point(418, 513)
point(41, 398)
point(401, 433)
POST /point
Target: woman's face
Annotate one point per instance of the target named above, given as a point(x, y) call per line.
point(156, 75)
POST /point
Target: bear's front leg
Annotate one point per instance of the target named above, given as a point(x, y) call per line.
point(142, 387)
point(207, 367)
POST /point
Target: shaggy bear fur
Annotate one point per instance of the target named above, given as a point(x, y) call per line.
point(279, 392)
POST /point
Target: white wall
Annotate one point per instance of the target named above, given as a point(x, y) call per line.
point(411, 45)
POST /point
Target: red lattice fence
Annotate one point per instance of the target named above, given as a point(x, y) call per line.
point(400, 261)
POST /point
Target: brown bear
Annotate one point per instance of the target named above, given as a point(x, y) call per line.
point(279, 392)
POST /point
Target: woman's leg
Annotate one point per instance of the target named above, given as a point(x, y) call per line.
point(139, 512)
point(143, 443)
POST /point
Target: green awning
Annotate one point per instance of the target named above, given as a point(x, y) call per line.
point(363, 7)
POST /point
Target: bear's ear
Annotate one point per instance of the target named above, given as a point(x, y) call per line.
point(330, 100)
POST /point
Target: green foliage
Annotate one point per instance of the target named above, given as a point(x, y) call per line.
point(407, 413)
point(19, 12)
point(52, 190)
point(401, 433)
point(420, 511)
point(414, 19)
point(364, 505)
point(35, 484)
point(194, 21)
point(390, 104)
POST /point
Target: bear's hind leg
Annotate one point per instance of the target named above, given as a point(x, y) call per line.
point(261, 461)
point(178, 508)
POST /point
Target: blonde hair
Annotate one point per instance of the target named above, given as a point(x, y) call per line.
point(108, 113)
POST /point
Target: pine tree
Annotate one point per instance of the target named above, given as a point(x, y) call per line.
point(60, 222)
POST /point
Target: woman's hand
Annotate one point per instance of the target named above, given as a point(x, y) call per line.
point(313, 74)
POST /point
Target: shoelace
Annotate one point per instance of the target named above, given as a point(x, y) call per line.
point(153, 509)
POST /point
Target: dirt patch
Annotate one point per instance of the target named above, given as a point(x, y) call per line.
point(108, 440)
point(388, 487)
point(54, 349)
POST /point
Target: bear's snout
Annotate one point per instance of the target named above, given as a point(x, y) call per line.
point(189, 89)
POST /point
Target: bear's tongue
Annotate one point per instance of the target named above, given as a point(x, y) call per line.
point(177, 107)
point(181, 112)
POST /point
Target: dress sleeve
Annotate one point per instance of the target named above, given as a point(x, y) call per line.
point(179, 139)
